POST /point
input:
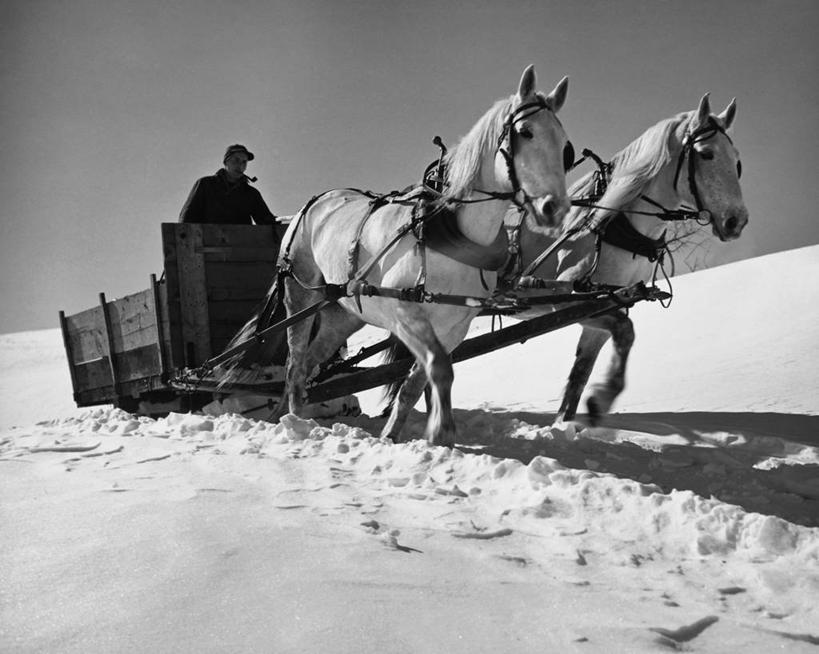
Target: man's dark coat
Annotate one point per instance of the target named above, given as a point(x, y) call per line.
point(214, 200)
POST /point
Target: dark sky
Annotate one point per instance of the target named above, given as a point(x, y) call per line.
point(111, 110)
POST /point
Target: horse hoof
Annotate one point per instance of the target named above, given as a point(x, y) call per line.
point(444, 440)
point(386, 435)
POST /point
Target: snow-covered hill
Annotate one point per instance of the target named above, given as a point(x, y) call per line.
point(689, 519)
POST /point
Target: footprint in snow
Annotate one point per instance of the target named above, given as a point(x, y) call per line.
point(673, 637)
point(483, 535)
point(388, 537)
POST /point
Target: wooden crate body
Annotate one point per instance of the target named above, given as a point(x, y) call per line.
point(215, 275)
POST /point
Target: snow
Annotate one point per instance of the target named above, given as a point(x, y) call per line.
point(689, 519)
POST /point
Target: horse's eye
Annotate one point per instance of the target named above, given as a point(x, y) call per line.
point(739, 169)
point(526, 133)
point(707, 154)
point(568, 156)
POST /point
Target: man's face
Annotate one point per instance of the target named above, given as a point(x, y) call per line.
point(236, 164)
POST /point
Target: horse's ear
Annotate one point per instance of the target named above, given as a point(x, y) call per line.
point(528, 81)
point(727, 116)
point(557, 97)
point(704, 110)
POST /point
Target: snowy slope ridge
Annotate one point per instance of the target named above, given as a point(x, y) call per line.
point(678, 523)
point(689, 519)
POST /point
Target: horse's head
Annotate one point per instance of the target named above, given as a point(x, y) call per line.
point(533, 153)
point(711, 164)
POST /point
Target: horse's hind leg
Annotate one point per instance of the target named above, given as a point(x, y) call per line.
point(298, 339)
point(603, 395)
point(335, 326)
point(596, 332)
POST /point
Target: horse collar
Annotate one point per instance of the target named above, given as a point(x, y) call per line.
point(442, 234)
point(620, 233)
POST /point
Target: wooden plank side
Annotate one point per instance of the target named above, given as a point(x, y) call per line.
point(133, 321)
point(112, 362)
point(256, 276)
point(207, 265)
point(232, 312)
point(94, 374)
point(85, 320)
point(105, 394)
point(226, 253)
point(242, 295)
point(193, 299)
point(86, 334)
point(138, 363)
point(226, 319)
point(241, 235)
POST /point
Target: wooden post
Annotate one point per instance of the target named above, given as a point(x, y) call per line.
point(160, 340)
point(69, 354)
point(110, 340)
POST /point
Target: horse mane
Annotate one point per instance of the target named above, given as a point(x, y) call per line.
point(463, 162)
point(634, 166)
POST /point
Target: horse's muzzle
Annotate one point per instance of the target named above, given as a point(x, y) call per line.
point(730, 227)
point(549, 210)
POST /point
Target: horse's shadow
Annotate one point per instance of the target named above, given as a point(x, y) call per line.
point(730, 456)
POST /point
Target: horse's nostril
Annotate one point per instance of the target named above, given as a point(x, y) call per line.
point(731, 223)
point(548, 206)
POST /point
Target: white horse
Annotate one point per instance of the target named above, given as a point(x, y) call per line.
point(513, 154)
point(687, 161)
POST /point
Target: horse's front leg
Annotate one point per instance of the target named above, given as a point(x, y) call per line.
point(408, 394)
point(603, 395)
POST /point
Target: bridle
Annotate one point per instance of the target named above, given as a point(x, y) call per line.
point(710, 129)
point(522, 113)
point(506, 147)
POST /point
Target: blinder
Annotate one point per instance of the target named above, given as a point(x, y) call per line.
point(568, 156)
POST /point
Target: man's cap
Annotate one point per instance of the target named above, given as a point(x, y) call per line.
point(233, 149)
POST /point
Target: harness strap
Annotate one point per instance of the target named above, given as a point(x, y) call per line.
point(601, 180)
point(352, 255)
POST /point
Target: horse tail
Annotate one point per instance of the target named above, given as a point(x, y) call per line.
point(247, 365)
point(396, 351)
